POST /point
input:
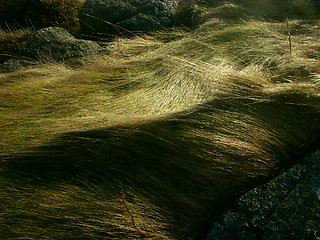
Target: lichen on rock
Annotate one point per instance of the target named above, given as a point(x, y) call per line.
point(57, 44)
point(285, 208)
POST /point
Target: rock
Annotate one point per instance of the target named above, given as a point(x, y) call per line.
point(57, 44)
point(125, 16)
point(288, 207)
point(14, 64)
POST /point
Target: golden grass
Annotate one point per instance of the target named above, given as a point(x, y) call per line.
point(151, 140)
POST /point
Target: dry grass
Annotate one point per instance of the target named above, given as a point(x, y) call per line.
point(10, 41)
point(193, 13)
point(153, 139)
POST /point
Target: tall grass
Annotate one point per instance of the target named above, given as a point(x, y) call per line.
point(153, 140)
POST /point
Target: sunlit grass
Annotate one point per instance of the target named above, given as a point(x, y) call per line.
point(143, 141)
point(142, 77)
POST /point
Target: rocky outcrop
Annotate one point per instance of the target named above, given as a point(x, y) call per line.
point(286, 208)
point(57, 44)
point(126, 16)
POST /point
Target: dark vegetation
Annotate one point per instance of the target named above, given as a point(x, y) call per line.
point(12, 40)
point(39, 13)
point(19, 18)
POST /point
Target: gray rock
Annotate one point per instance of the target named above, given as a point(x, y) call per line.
point(288, 207)
point(57, 44)
point(14, 64)
point(126, 16)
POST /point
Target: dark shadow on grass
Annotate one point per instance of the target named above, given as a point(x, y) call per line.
point(189, 165)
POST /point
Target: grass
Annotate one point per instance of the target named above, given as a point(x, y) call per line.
point(10, 41)
point(152, 140)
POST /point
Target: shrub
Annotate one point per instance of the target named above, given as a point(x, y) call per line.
point(40, 13)
point(62, 13)
point(17, 13)
point(11, 40)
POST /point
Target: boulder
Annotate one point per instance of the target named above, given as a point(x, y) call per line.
point(57, 44)
point(109, 17)
point(288, 207)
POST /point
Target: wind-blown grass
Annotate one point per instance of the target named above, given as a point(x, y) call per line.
point(153, 139)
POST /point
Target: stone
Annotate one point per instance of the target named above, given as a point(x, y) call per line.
point(287, 207)
point(123, 17)
point(14, 64)
point(57, 44)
